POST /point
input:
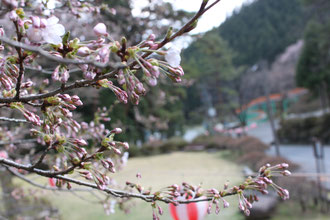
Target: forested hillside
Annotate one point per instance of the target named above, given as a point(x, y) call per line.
point(222, 58)
point(263, 29)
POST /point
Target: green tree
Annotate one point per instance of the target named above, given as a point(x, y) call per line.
point(209, 61)
point(263, 29)
point(313, 69)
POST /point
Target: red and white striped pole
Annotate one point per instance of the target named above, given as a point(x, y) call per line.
point(191, 211)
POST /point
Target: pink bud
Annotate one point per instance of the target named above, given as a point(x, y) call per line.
point(2, 32)
point(209, 208)
point(160, 210)
point(125, 145)
point(89, 75)
point(286, 173)
point(3, 154)
point(56, 75)
point(152, 81)
point(13, 16)
point(65, 97)
point(76, 100)
point(225, 203)
point(116, 131)
point(117, 151)
point(83, 51)
point(80, 142)
point(100, 30)
point(247, 212)
point(43, 23)
point(65, 76)
point(152, 37)
point(35, 21)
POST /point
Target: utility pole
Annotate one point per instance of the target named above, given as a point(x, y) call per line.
point(269, 108)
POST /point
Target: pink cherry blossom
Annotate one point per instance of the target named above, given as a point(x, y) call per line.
point(100, 30)
point(49, 30)
point(173, 57)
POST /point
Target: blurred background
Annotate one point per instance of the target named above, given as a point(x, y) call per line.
point(256, 90)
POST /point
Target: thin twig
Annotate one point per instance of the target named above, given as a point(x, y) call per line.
point(25, 141)
point(13, 120)
point(48, 72)
point(22, 177)
point(114, 192)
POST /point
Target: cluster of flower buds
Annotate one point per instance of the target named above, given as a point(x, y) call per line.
point(149, 43)
point(170, 67)
point(120, 94)
point(132, 84)
point(2, 33)
point(243, 204)
point(8, 74)
point(101, 180)
point(172, 192)
point(115, 146)
point(216, 196)
point(28, 115)
point(77, 154)
point(86, 174)
point(61, 74)
point(261, 183)
point(138, 187)
point(60, 183)
point(156, 211)
point(70, 102)
point(267, 171)
point(109, 165)
point(59, 111)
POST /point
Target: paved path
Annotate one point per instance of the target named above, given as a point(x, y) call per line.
point(300, 154)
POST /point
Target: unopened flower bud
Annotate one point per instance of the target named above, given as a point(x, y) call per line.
point(80, 142)
point(116, 131)
point(100, 30)
point(35, 21)
point(13, 16)
point(83, 51)
point(286, 173)
point(225, 203)
point(2, 32)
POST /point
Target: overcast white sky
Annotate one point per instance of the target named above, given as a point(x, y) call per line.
point(213, 18)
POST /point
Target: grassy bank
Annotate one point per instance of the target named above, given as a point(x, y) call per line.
point(209, 169)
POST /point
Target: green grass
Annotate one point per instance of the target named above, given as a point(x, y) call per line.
point(209, 169)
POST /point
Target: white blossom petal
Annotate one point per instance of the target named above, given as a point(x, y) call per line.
point(52, 20)
point(173, 57)
point(51, 38)
point(34, 34)
point(57, 29)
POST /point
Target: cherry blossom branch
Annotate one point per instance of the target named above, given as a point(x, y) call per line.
point(22, 177)
point(45, 54)
point(83, 83)
point(42, 157)
point(75, 85)
point(259, 183)
point(20, 62)
point(114, 192)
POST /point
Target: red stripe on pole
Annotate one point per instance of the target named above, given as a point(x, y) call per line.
point(173, 212)
point(192, 211)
